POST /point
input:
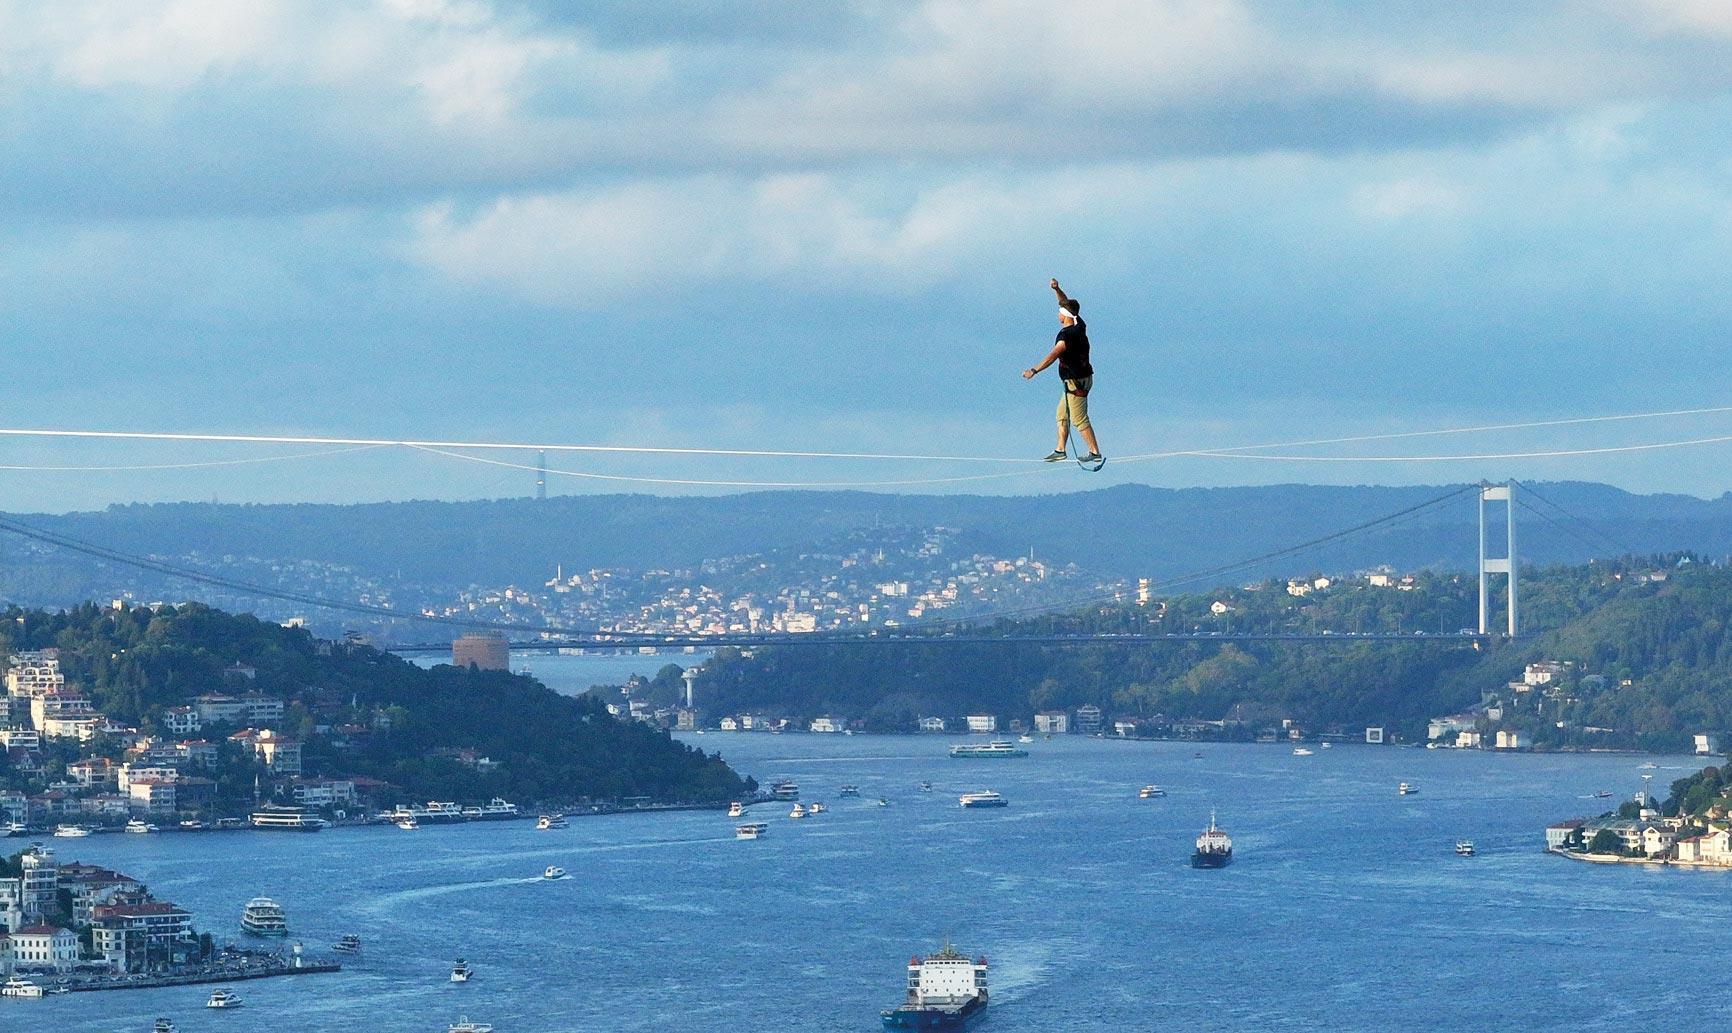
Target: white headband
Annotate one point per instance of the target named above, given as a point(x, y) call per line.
point(1066, 312)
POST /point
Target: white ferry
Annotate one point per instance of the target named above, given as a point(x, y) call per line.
point(799, 811)
point(985, 798)
point(461, 972)
point(751, 830)
point(497, 809)
point(18, 986)
point(1407, 789)
point(467, 1025)
point(1150, 792)
point(140, 827)
point(996, 749)
point(736, 809)
point(223, 997)
point(786, 789)
point(285, 819)
point(550, 821)
point(848, 790)
point(264, 917)
point(553, 871)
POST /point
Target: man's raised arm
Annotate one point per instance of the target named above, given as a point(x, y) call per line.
point(1056, 289)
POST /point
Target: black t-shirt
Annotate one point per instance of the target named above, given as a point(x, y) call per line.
point(1073, 362)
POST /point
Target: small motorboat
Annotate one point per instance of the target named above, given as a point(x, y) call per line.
point(1327, 745)
point(1300, 751)
point(926, 787)
point(1025, 737)
point(550, 821)
point(751, 830)
point(1604, 794)
point(1464, 847)
point(553, 871)
point(461, 972)
point(163, 1026)
point(849, 790)
point(348, 943)
point(1151, 792)
point(816, 808)
point(223, 997)
point(883, 801)
point(736, 809)
point(407, 823)
point(1407, 789)
point(799, 811)
point(466, 1025)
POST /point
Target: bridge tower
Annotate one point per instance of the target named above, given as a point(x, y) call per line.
point(541, 476)
point(1505, 564)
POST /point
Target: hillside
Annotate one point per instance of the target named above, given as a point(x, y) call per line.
point(355, 711)
point(1126, 531)
point(1647, 647)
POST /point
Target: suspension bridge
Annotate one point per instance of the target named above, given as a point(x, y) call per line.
point(1498, 563)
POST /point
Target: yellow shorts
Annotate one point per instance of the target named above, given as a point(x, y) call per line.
point(1073, 405)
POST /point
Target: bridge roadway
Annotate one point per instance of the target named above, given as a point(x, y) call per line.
point(648, 640)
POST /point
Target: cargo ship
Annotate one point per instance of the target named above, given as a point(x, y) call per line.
point(992, 750)
point(1214, 847)
point(946, 991)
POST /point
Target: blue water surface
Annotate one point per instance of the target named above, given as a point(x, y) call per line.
point(1346, 909)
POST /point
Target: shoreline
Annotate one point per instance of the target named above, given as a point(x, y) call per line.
point(1656, 862)
point(203, 978)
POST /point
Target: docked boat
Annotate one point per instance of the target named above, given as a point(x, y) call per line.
point(1407, 789)
point(848, 790)
point(407, 823)
point(997, 749)
point(140, 827)
point(466, 1025)
point(223, 997)
point(496, 809)
point(799, 811)
point(984, 798)
point(1214, 847)
point(461, 972)
point(1151, 792)
point(1464, 847)
point(736, 809)
point(14, 828)
point(72, 831)
point(274, 818)
point(751, 830)
point(264, 917)
point(553, 871)
point(348, 943)
point(785, 789)
point(192, 825)
point(18, 986)
point(946, 991)
point(1300, 751)
point(550, 821)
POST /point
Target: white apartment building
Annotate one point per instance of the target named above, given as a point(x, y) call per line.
point(982, 723)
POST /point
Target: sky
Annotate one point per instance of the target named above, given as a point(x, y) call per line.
point(830, 227)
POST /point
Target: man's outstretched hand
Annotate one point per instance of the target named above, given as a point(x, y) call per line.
point(1054, 284)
